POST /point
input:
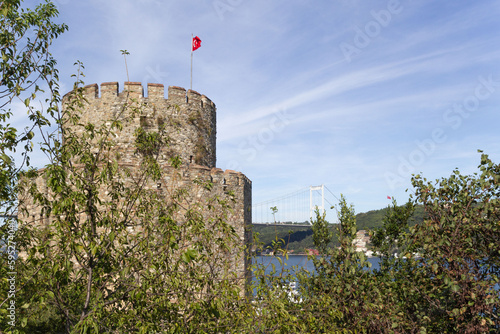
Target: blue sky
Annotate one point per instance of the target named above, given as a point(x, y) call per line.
point(356, 95)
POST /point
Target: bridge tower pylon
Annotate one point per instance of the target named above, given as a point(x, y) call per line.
point(313, 207)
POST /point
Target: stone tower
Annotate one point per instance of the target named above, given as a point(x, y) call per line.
point(189, 119)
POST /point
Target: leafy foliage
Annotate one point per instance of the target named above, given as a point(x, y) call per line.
point(26, 68)
point(109, 244)
point(395, 225)
point(299, 239)
point(446, 276)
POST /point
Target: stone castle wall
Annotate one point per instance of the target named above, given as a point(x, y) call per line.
point(189, 119)
point(224, 182)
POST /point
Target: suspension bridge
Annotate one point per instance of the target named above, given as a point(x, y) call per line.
point(297, 208)
point(294, 209)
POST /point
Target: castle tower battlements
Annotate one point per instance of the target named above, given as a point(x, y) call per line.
point(188, 118)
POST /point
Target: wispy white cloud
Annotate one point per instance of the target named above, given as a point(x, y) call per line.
point(349, 123)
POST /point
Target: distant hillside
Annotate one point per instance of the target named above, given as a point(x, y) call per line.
point(372, 220)
point(298, 239)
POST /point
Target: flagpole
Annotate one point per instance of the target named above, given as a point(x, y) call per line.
point(191, 62)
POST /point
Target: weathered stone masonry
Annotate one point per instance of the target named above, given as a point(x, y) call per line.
point(190, 122)
point(188, 117)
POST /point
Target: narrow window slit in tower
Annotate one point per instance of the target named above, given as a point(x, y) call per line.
point(160, 122)
point(143, 121)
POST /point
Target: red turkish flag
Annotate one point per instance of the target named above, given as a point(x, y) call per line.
point(196, 43)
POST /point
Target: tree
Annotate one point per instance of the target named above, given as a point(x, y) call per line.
point(445, 276)
point(460, 250)
point(338, 291)
point(395, 226)
point(101, 243)
point(26, 68)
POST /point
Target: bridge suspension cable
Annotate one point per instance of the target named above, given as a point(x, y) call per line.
point(294, 208)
